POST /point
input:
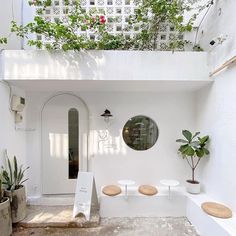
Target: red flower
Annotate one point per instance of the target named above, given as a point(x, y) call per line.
point(102, 20)
point(33, 2)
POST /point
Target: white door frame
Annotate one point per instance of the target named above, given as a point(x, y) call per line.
point(85, 162)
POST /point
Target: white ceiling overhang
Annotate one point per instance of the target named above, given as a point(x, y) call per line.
point(105, 70)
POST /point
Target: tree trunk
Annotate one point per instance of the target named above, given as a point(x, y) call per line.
point(193, 175)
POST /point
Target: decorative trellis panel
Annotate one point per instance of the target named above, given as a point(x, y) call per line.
point(117, 14)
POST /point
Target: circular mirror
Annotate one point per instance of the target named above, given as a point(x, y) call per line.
point(140, 133)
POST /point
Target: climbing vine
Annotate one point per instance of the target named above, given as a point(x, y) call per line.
point(148, 17)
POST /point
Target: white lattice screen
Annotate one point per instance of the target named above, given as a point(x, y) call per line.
point(117, 14)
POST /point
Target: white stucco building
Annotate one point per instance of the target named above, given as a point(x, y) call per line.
point(173, 89)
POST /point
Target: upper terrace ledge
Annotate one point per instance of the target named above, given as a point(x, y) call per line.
point(104, 65)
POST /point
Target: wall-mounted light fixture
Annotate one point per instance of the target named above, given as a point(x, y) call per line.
point(105, 140)
point(107, 115)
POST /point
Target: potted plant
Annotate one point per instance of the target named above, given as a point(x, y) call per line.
point(5, 213)
point(13, 179)
point(193, 149)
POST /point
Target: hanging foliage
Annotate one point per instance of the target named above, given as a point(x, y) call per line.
point(73, 33)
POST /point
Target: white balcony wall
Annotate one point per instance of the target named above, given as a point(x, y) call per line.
point(105, 65)
point(216, 111)
point(10, 11)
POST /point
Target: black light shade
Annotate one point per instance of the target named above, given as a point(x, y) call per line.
point(106, 114)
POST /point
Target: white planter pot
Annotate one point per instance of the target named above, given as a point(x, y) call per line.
point(193, 188)
point(18, 204)
point(5, 218)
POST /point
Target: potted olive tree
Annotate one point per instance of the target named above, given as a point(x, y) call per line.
point(5, 213)
point(13, 179)
point(193, 149)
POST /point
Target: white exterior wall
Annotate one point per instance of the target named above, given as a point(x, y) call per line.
point(219, 22)
point(11, 139)
point(172, 110)
point(10, 11)
point(216, 116)
point(216, 111)
point(112, 164)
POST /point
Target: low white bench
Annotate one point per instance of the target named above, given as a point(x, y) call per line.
point(179, 204)
point(208, 225)
point(139, 205)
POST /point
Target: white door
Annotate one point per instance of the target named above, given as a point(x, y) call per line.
point(64, 143)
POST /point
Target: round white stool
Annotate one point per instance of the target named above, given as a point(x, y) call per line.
point(169, 183)
point(126, 183)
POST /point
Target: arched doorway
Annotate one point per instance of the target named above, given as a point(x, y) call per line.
point(64, 143)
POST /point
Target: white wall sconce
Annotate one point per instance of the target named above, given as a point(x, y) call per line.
point(107, 116)
point(105, 139)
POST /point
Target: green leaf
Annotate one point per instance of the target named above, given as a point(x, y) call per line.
point(65, 47)
point(206, 151)
point(187, 134)
point(10, 170)
point(13, 175)
point(189, 28)
point(189, 151)
point(1, 193)
point(200, 152)
point(181, 141)
point(196, 134)
point(6, 176)
point(194, 144)
point(204, 139)
point(180, 19)
point(15, 169)
point(19, 176)
point(3, 40)
point(22, 182)
point(183, 148)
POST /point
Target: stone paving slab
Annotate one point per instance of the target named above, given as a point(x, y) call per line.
point(56, 216)
point(143, 226)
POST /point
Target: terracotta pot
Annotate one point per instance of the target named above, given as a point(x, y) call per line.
point(193, 188)
point(18, 204)
point(5, 218)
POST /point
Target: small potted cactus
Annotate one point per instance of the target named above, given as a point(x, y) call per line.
point(5, 213)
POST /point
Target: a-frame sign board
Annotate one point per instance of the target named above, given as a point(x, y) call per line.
point(85, 195)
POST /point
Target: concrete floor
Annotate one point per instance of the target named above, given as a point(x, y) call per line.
point(57, 217)
point(163, 226)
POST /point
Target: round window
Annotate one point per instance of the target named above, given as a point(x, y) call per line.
point(140, 133)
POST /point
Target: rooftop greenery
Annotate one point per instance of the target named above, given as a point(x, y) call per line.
point(149, 15)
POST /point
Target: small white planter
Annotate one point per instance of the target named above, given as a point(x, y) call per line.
point(5, 218)
point(18, 204)
point(193, 188)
